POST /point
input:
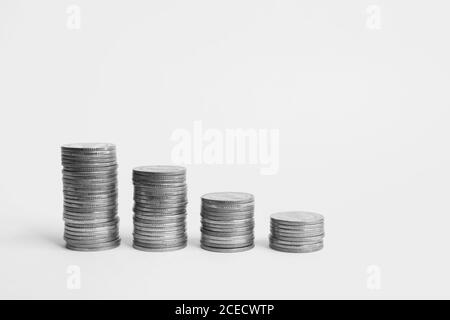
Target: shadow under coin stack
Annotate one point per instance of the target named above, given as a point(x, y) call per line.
point(297, 232)
point(90, 196)
point(228, 222)
point(160, 195)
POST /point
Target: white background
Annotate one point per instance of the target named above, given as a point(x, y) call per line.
point(364, 139)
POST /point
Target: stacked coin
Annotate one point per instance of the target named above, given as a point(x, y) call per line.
point(298, 232)
point(160, 195)
point(227, 222)
point(90, 196)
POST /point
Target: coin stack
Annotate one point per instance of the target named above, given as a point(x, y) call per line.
point(297, 232)
point(160, 195)
point(90, 196)
point(227, 222)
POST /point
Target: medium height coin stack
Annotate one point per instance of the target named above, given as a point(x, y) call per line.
point(227, 222)
point(297, 232)
point(90, 196)
point(160, 195)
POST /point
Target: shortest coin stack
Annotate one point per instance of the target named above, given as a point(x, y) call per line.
point(227, 222)
point(160, 195)
point(297, 232)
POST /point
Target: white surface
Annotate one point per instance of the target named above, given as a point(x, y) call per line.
point(363, 118)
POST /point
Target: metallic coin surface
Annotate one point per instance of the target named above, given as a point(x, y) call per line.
point(223, 250)
point(160, 200)
point(227, 197)
point(90, 196)
point(297, 218)
point(298, 249)
point(297, 232)
point(227, 220)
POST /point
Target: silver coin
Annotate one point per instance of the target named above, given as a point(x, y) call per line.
point(81, 192)
point(298, 249)
point(299, 228)
point(227, 243)
point(88, 241)
point(207, 219)
point(308, 228)
point(228, 212)
point(153, 203)
point(160, 225)
point(78, 236)
point(143, 236)
point(86, 158)
point(159, 211)
point(295, 241)
point(97, 168)
point(150, 221)
point(160, 197)
point(91, 239)
point(227, 220)
point(231, 226)
point(89, 165)
point(159, 231)
point(227, 246)
point(297, 218)
point(138, 246)
point(72, 220)
point(168, 233)
point(160, 189)
point(160, 244)
point(221, 250)
point(88, 218)
point(93, 245)
point(83, 228)
point(107, 246)
point(161, 207)
point(152, 247)
point(227, 197)
point(227, 215)
point(157, 179)
point(234, 226)
point(77, 147)
point(93, 225)
point(161, 169)
point(221, 233)
point(300, 234)
point(161, 219)
point(160, 194)
point(228, 209)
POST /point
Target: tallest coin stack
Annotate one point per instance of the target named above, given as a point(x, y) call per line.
point(90, 196)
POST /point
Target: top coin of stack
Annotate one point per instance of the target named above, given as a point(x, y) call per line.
point(227, 222)
point(296, 231)
point(160, 195)
point(90, 196)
